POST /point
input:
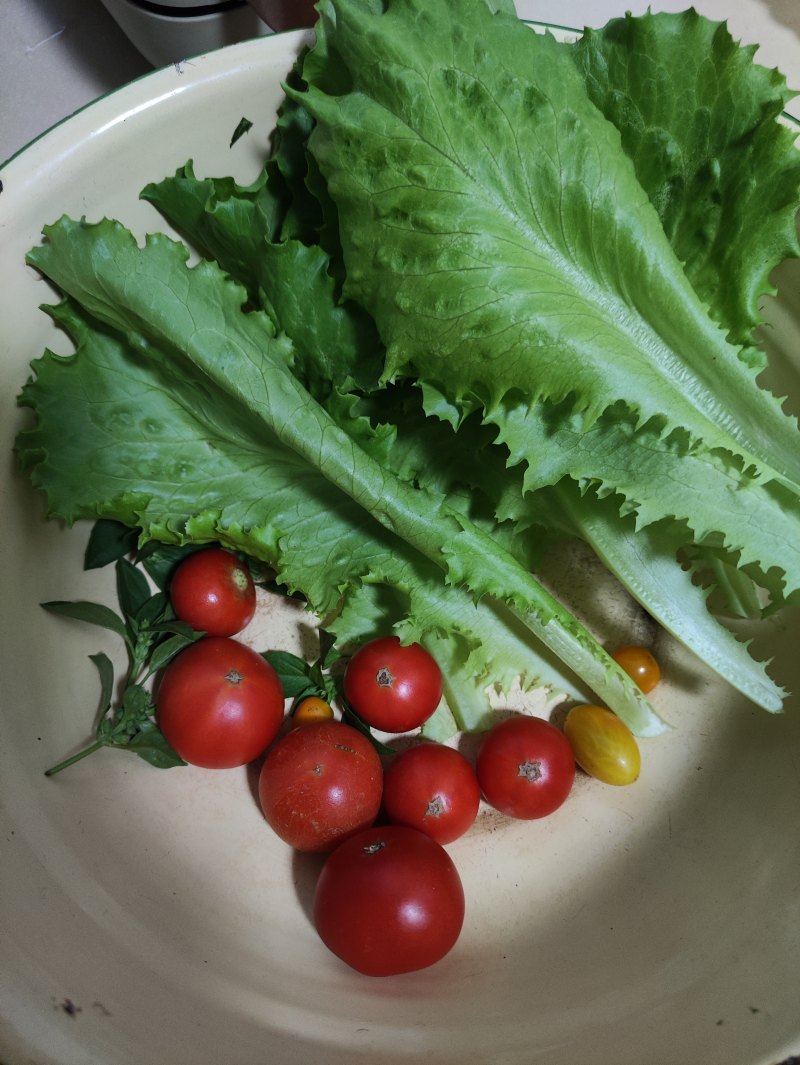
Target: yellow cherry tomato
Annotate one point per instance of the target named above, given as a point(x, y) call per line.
point(603, 746)
point(310, 710)
point(640, 666)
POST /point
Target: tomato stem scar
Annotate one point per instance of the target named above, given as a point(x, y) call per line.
point(373, 848)
point(530, 770)
point(384, 677)
point(234, 677)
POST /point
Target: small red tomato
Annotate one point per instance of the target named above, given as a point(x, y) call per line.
point(640, 665)
point(320, 784)
point(219, 703)
point(432, 788)
point(525, 767)
point(389, 900)
point(212, 590)
point(391, 686)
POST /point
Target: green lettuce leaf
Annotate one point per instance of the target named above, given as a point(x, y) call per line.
point(722, 173)
point(498, 234)
point(229, 372)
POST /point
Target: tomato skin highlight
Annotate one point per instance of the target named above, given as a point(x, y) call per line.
point(432, 788)
point(525, 767)
point(640, 665)
point(212, 590)
point(389, 900)
point(320, 784)
point(603, 745)
point(219, 703)
point(391, 686)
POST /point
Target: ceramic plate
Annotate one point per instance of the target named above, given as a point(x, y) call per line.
point(151, 918)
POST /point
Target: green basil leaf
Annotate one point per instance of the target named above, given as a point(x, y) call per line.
point(149, 743)
point(108, 541)
point(295, 674)
point(92, 613)
point(166, 651)
point(132, 588)
point(152, 611)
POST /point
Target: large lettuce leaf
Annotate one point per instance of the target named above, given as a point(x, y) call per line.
point(697, 116)
point(500, 238)
point(230, 374)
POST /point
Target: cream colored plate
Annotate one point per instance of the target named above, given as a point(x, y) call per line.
point(151, 918)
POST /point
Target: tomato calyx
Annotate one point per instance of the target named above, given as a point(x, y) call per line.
point(530, 771)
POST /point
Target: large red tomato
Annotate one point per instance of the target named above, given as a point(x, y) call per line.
point(320, 784)
point(433, 788)
point(389, 900)
point(393, 687)
point(213, 591)
point(525, 767)
point(219, 703)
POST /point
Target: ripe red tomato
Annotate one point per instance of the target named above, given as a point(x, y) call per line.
point(320, 784)
point(433, 788)
point(213, 591)
point(525, 767)
point(389, 900)
point(391, 686)
point(219, 703)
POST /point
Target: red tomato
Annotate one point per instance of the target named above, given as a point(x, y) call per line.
point(389, 901)
point(432, 788)
point(219, 703)
point(525, 767)
point(213, 591)
point(392, 687)
point(320, 784)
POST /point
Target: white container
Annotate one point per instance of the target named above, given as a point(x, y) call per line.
point(174, 30)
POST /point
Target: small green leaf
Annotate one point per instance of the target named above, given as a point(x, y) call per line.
point(92, 613)
point(149, 743)
point(244, 126)
point(106, 671)
point(160, 560)
point(152, 611)
point(296, 675)
point(132, 588)
point(166, 651)
point(108, 541)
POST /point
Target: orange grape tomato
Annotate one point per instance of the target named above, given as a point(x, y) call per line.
point(640, 666)
point(311, 709)
point(603, 746)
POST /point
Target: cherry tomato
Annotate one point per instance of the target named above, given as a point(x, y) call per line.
point(219, 703)
point(604, 746)
point(525, 767)
point(640, 666)
point(389, 901)
point(212, 591)
point(320, 784)
point(433, 788)
point(391, 686)
point(310, 710)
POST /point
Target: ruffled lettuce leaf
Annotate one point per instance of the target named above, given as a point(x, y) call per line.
point(498, 234)
point(230, 373)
